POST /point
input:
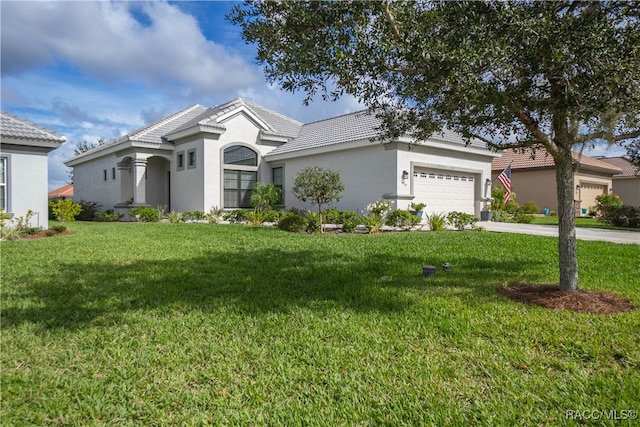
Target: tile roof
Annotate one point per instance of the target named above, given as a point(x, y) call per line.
point(64, 191)
point(13, 127)
point(542, 159)
point(278, 124)
point(357, 126)
point(336, 130)
point(628, 168)
point(154, 132)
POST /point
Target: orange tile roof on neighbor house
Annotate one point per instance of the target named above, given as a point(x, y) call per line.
point(542, 160)
point(624, 163)
point(66, 191)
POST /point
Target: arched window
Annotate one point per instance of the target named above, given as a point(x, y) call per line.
point(240, 155)
point(240, 175)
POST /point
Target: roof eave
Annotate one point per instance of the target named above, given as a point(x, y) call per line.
point(195, 130)
point(7, 140)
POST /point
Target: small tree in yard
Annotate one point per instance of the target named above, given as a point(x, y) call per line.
point(319, 186)
point(560, 75)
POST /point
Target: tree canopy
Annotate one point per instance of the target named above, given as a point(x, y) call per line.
point(552, 74)
point(318, 186)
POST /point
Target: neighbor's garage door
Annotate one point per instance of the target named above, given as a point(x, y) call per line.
point(444, 191)
point(588, 193)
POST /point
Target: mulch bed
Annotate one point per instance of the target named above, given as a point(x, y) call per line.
point(46, 233)
point(550, 296)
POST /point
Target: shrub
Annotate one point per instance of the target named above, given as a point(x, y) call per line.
point(350, 222)
point(145, 214)
point(108, 216)
point(621, 216)
point(460, 220)
point(58, 228)
point(512, 207)
point(255, 217)
point(437, 221)
point(265, 196)
point(273, 215)
point(88, 211)
point(161, 210)
point(213, 216)
point(17, 227)
point(197, 215)
point(347, 216)
point(605, 200)
point(313, 222)
point(66, 210)
point(293, 222)
point(402, 219)
point(523, 218)
point(237, 215)
point(530, 208)
point(332, 216)
point(175, 217)
point(500, 216)
point(376, 214)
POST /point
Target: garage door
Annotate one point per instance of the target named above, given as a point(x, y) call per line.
point(588, 193)
point(444, 191)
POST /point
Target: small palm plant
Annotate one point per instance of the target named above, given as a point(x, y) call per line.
point(264, 198)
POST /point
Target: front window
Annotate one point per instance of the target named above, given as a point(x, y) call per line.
point(240, 176)
point(191, 158)
point(3, 183)
point(238, 186)
point(277, 177)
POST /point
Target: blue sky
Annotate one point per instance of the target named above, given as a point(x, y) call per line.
point(90, 70)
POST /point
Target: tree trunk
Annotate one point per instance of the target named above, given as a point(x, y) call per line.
point(567, 245)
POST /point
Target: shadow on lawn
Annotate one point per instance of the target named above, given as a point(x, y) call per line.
point(249, 281)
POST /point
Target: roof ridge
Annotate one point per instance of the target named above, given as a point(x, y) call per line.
point(155, 125)
point(275, 113)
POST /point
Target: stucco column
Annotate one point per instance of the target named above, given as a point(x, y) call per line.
point(139, 184)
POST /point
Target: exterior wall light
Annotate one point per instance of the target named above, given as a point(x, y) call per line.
point(405, 176)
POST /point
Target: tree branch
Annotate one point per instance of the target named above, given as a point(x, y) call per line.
point(392, 21)
point(608, 136)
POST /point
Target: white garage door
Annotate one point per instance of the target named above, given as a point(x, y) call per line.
point(444, 191)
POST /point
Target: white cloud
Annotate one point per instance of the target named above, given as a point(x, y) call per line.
point(107, 42)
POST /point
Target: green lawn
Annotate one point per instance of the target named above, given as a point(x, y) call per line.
point(198, 324)
point(580, 222)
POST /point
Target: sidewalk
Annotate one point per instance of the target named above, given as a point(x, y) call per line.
point(582, 233)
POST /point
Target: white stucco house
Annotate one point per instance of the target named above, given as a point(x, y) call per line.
point(23, 168)
point(202, 157)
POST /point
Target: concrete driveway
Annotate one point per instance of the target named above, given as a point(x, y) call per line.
point(614, 236)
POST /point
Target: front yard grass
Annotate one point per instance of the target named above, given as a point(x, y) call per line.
point(580, 222)
point(198, 324)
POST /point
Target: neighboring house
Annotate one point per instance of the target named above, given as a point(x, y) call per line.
point(534, 179)
point(61, 193)
point(202, 157)
point(24, 169)
point(626, 184)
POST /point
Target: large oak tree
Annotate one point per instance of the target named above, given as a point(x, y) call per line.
point(552, 75)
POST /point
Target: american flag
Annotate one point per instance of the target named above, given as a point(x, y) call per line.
point(505, 180)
